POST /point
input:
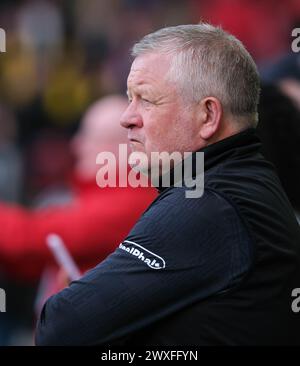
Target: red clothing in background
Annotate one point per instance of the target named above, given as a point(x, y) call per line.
point(91, 227)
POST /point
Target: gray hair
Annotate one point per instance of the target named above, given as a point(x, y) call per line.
point(207, 61)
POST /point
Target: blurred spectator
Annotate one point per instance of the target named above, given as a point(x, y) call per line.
point(94, 223)
point(291, 88)
point(285, 72)
point(287, 67)
point(48, 168)
point(279, 129)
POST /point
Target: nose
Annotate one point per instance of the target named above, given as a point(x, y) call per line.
point(131, 118)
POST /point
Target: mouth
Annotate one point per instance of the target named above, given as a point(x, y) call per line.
point(133, 140)
point(135, 144)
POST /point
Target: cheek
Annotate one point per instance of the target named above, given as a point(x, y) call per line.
point(156, 128)
point(164, 130)
point(152, 139)
point(160, 135)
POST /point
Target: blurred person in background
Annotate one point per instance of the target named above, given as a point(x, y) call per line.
point(279, 130)
point(94, 222)
point(285, 73)
point(49, 168)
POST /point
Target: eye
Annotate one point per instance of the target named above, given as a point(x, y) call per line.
point(145, 100)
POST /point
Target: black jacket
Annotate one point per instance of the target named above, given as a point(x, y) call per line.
point(216, 270)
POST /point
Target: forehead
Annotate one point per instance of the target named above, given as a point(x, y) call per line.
point(148, 69)
point(103, 116)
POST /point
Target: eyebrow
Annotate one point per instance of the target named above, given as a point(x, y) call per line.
point(139, 89)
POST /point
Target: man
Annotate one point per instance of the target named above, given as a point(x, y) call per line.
point(214, 270)
point(96, 219)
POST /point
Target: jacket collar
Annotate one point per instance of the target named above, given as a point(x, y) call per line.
point(243, 143)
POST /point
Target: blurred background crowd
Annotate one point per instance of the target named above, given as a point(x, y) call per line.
point(64, 55)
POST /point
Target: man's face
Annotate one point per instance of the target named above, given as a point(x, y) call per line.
point(157, 118)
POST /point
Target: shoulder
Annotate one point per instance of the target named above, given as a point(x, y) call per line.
point(189, 230)
point(174, 205)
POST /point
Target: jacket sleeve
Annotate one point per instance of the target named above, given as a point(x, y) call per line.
point(170, 259)
point(91, 227)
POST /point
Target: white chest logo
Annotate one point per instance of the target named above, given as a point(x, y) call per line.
point(152, 260)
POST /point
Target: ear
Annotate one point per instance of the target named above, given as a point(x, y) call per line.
point(210, 115)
